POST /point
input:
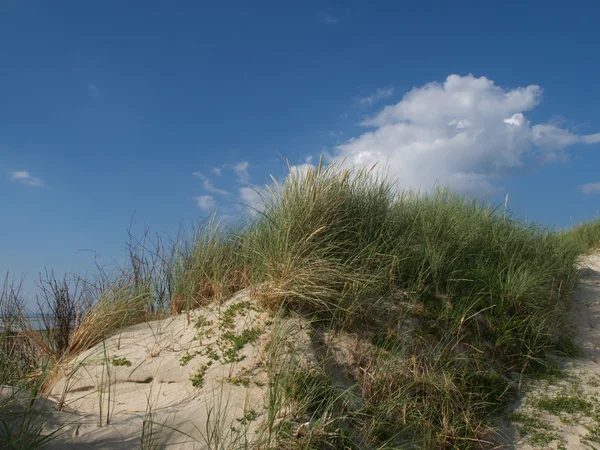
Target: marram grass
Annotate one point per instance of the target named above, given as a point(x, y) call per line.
point(487, 296)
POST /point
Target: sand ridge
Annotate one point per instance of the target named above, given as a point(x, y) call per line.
point(182, 381)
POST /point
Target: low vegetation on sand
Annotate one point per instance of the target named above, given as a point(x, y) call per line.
point(450, 302)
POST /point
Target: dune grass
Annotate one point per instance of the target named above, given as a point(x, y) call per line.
point(586, 235)
point(491, 293)
point(449, 298)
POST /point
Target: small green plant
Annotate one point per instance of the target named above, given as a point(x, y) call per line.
point(238, 381)
point(121, 362)
point(187, 357)
point(233, 343)
point(539, 432)
point(566, 404)
point(226, 319)
point(198, 378)
point(202, 322)
point(211, 353)
point(247, 418)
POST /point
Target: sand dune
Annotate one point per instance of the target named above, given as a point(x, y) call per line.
point(137, 386)
point(200, 381)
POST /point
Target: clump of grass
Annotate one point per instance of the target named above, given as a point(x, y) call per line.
point(312, 389)
point(585, 235)
point(208, 268)
point(116, 308)
point(493, 293)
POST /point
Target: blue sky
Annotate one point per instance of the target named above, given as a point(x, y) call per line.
point(161, 111)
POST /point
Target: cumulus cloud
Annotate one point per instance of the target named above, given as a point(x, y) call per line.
point(241, 172)
point(26, 178)
point(464, 133)
point(590, 188)
point(205, 202)
point(379, 94)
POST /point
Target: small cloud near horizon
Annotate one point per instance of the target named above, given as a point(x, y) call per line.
point(590, 188)
point(26, 178)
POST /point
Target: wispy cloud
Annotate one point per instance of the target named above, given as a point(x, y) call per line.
point(26, 178)
point(216, 170)
point(327, 18)
point(93, 89)
point(205, 202)
point(241, 172)
point(208, 186)
point(590, 188)
point(379, 94)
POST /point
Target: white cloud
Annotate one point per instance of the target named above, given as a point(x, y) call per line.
point(241, 172)
point(208, 186)
point(300, 170)
point(380, 94)
point(205, 202)
point(216, 170)
point(253, 197)
point(590, 188)
point(465, 133)
point(27, 178)
point(327, 18)
point(591, 138)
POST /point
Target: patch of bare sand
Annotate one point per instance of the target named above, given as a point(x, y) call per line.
point(135, 389)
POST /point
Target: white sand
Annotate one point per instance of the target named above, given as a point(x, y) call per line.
point(156, 387)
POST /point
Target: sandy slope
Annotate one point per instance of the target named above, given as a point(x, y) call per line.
point(568, 430)
point(230, 403)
